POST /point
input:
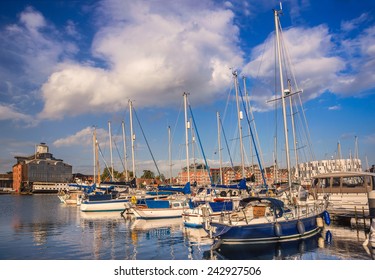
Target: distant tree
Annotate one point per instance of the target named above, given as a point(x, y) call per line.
point(161, 177)
point(123, 175)
point(148, 174)
point(106, 175)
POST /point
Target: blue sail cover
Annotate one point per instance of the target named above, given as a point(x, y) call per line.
point(219, 206)
point(184, 190)
point(157, 204)
point(240, 186)
point(89, 189)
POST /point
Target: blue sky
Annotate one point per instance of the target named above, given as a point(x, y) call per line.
point(67, 66)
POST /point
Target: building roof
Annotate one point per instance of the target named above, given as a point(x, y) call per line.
point(343, 174)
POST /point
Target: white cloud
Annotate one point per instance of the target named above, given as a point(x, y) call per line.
point(359, 75)
point(8, 113)
point(334, 108)
point(71, 29)
point(29, 51)
point(154, 53)
point(83, 137)
point(354, 23)
point(33, 20)
point(313, 65)
point(320, 62)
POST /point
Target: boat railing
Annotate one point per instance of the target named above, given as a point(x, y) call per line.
point(258, 211)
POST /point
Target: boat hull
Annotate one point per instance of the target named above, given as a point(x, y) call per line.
point(103, 206)
point(195, 219)
point(147, 213)
point(266, 232)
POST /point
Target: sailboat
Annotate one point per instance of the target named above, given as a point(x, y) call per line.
point(265, 219)
point(103, 197)
point(216, 200)
point(99, 198)
point(172, 206)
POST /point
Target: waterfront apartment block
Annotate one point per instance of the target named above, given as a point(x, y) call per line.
point(229, 175)
point(41, 167)
point(6, 181)
point(308, 170)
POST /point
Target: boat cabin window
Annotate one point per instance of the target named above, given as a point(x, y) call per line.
point(323, 183)
point(200, 190)
point(335, 182)
point(351, 182)
point(367, 180)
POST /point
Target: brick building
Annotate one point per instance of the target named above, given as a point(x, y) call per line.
point(40, 167)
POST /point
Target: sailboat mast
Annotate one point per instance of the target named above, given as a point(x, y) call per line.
point(94, 153)
point(110, 149)
point(219, 144)
point(248, 108)
point(293, 130)
point(239, 123)
point(170, 154)
point(356, 154)
point(186, 137)
point(132, 135)
point(125, 153)
point(275, 169)
point(276, 16)
point(193, 150)
point(96, 156)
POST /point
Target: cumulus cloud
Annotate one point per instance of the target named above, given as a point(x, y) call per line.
point(152, 53)
point(319, 60)
point(29, 51)
point(33, 20)
point(82, 137)
point(311, 62)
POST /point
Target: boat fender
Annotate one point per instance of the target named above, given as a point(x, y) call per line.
point(328, 237)
point(278, 251)
point(278, 230)
point(321, 242)
point(302, 246)
point(319, 222)
point(133, 200)
point(300, 227)
point(327, 218)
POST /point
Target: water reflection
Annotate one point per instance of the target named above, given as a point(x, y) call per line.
point(157, 238)
point(197, 241)
point(333, 243)
point(102, 232)
point(274, 251)
point(344, 242)
point(40, 227)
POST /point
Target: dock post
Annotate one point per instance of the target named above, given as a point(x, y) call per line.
point(356, 219)
point(364, 221)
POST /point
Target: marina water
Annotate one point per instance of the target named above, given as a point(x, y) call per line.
point(39, 227)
